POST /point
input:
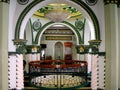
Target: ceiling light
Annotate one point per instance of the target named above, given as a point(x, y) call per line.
point(57, 14)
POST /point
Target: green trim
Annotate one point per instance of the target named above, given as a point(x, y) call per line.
point(30, 47)
point(31, 31)
point(5, 1)
point(38, 52)
point(22, 15)
point(84, 30)
point(93, 17)
point(70, 17)
point(99, 53)
point(81, 3)
point(102, 53)
point(64, 22)
point(41, 29)
point(77, 32)
point(13, 53)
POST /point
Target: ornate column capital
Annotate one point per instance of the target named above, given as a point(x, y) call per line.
point(117, 2)
point(20, 45)
point(5, 1)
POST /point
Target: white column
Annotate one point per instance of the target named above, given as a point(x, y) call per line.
point(12, 72)
point(94, 77)
point(119, 43)
point(4, 12)
point(82, 57)
point(111, 33)
point(89, 61)
point(101, 72)
point(19, 72)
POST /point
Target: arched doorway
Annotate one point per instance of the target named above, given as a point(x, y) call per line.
point(80, 5)
point(19, 32)
point(59, 51)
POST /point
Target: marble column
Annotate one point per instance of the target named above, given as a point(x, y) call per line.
point(111, 39)
point(4, 13)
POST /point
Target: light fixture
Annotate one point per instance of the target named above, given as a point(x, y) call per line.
point(57, 14)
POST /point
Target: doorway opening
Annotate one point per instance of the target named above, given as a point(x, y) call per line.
point(58, 51)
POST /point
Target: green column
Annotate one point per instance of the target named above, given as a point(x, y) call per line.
point(111, 41)
point(4, 12)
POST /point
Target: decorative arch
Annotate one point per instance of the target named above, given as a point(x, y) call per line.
point(80, 3)
point(37, 39)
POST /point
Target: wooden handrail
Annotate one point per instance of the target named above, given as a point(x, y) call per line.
point(58, 63)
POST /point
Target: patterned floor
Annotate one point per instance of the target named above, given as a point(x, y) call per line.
point(61, 82)
point(58, 81)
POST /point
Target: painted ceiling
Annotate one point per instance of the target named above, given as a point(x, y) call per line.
point(50, 7)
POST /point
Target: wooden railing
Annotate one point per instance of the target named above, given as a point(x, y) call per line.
point(58, 67)
point(77, 66)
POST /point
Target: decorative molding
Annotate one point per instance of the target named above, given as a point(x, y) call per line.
point(111, 1)
point(99, 53)
point(58, 32)
point(117, 2)
point(73, 12)
point(92, 48)
point(92, 15)
point(79, 24)
point(13, 53)
point(22, 2)
point(58, 38)
point(33, 48)
point(77, 32)
point(64, 22)
point(102, 53)
point(81, 3)
point(82, 49)
point(19, 41)
point(39, 32)
point(91, 2)
point(5, 1)
point(36, 25)
point(20, 45)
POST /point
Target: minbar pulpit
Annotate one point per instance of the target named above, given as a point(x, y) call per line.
point(68, 50)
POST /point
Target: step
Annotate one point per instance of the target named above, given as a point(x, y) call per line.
point(84, 88)
point(31, 88)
